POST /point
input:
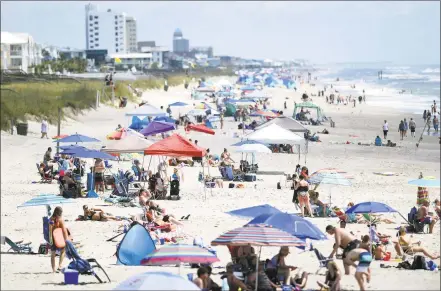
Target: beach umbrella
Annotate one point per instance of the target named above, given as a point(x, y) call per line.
point(156, 127)
point(46, 200)
point(425, 182)
point(88, 154)
point(370, 207)
point(160, 281)
point(57, 137)
point(197, 112)
point(257, 235)
point(177, 254)
point(291, 223)
point(329, 178)
point(178, 104)
point(71, 147)
point(165, 119)
point(76, 138)
point(200, 128)
point(254, 211)
point(117, 134)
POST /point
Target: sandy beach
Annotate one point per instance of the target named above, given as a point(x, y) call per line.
point(208, 218)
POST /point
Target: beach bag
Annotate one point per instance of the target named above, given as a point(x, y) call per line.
point(419, 263)
point(58, 236)
point(231, 185)
point(404, 265)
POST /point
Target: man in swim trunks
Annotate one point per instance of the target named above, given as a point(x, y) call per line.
point(424, 217)
point(363, 268)
point(344, 240)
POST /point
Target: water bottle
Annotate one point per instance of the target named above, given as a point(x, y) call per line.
point(225, 286)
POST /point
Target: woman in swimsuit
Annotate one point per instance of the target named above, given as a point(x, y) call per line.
point(56, 221)
point(97, 214)
point(363, 268)
point(303, 196)
point(233, 283)
point(410, 248)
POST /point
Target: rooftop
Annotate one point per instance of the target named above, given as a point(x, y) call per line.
point(131, 56)
point(15, 38)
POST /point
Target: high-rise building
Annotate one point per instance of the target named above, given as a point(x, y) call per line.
point(180, 44)
point(131, 40)
point(106, 30)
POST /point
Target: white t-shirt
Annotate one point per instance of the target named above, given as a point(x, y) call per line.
point(44, 126)
point(386, 126)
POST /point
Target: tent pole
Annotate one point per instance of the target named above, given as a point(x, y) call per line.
point(143, 159)
point(203, 181)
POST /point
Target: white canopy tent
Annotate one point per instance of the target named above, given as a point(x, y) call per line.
point(285, 122)
point(274, 134)
point(146, 110)
point(128, 145)
point(253, 148)
point(256, 95)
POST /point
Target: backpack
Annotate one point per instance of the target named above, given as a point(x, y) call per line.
point(419, 263)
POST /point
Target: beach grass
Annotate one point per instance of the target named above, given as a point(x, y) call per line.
point(37, 100)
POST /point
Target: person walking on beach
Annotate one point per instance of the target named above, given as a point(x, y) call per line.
point(44, 126)
point(406, 127)
point(401, 129)
point(424, 115)
point(435, 123)
point(385, 129)
point(412, 126)
point(56, 221)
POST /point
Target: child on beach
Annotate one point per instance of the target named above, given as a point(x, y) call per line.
point(333, 277)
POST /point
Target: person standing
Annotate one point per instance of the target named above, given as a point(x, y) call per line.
point(424, 115)
point(406, 127)
point(385, 129)
point(44, 127)
point(401, 129)
point(435, 123)
point(56, 221)
point(221, 121)
point(169, 112)
point(412, 126)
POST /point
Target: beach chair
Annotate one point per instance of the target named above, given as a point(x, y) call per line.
point(45, 178)
point(323, 261)
point(17, 247)
point(233, 177)
point(84, 267)
point(122, 185)
point(414, 224)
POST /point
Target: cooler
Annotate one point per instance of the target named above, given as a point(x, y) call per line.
point(71, 277)
point(250, 177)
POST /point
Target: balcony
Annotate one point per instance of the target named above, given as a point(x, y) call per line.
point(16, 53)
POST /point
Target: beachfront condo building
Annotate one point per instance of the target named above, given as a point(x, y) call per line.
point(131, 34)
point(19, 51)
point(108, 30)
point(181, 46)
point(160, 54)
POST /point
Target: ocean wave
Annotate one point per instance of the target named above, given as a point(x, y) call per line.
point(431, 71)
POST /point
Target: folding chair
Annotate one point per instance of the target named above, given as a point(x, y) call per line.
point(233, 177)
point(416, 225)
point(18, 246)
point(323, 261)
point(45, 178)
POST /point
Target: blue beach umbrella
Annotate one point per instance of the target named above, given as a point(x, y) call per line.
point(292, 224)
point(46, 200)
point(254, 211)
point(157, 281)
point(88, 154)
point(76, 138)
point(370, 207)
point(425, 183)
point(178, 104)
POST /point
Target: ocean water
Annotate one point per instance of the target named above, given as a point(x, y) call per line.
point(421, 84)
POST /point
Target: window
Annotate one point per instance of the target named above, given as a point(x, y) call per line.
point(116, 45)
point(116, 50)
point(91, 40)
point(96, 17)
point(97, 44)
point(90, 17)
point(116, 27)
point(96, 27)
point(96, 39)
point(116, 33)
point(116, 22)
point(116, 39)
point(96, 22)
point(96, 33)
point(116, 16)
point(91, 24)
point(91, 30)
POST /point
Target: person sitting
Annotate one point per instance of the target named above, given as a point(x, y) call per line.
point(263, 282)
point(45, 171)
point(378, 141)
point(97, 214)
point(68, 182)
point(424, 217)
point(437, 207)
point(284, 270)
point(408, 247)
point(160, 190)
point(143, 197)
point(313, 196)
point(226, 158)
point(151, 182)
point(141, 173)
point(233, 282)
point(158, 215)
point(201, 280)
point(175, 176)
point(333, 277)
point(245, 255)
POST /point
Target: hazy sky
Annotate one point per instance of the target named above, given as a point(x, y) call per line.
point(401, 32)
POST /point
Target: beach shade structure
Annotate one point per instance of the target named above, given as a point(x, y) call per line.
point(76, 138)
point(146, 110)
point(165, 119)
point(71, 147)
point(156, 127)
point(253, 148)
point(197, 112)
point(285, 122)
point(254, 211)
point(87, 154)
point(130, 144)
point(370, 207)
point(135, 246)
point(200, 128)
point(248, 88)
point(291, 223)
point(274, 134)
point(138, 123)
point(178, 104)
point(157, 281)
point(179, 253)
point(46, 200)
point(256, 95)
point(329, 178)
point(175, 146)
point(308, 105)
point(257, 235)
point(263, 113)
point(425, 182)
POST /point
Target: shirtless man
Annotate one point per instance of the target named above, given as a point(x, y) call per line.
point(344, 240)
point(363, 268)
point(424, 217)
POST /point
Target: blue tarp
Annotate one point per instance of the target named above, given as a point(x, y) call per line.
point(255, 211)
point(138, 124)
point(135, 246)
point(292, 224)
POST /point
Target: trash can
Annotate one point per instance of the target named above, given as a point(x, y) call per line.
point(22, 128)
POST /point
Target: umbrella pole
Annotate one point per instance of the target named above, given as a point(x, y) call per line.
point(203, 183)
point(257, 267)
point(141, 174)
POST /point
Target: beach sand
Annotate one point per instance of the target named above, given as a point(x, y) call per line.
point(208, 219)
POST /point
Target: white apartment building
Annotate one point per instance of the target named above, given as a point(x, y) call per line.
point(160, 54)
point(19, 51)
point(105, 30)
point(131, 34)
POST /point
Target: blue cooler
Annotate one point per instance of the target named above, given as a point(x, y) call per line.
point(71, 277)
point(250, 177)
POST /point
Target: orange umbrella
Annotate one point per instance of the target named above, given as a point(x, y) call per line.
point(200, 128)
point(60, 136)
point(266, 113)
point(117, 134)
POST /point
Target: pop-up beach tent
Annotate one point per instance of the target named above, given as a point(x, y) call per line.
point(285, 122)
point(175, 146)
point(129, 144)
point(138, 123)
point(156, 127)
point(308, 105)
point(135, 246)
point(146, 110)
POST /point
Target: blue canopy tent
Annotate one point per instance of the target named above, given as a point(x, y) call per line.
point(76, 138)
point(292, 224)
point(138, 124)
point(254, 211)
point(165, 119)
point(178, 104)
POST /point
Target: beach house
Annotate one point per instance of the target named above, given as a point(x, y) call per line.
point(19, 51)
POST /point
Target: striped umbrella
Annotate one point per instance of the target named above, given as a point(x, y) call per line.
point(46, 200)
point(258, 235)
point(176, 254)
point(332, 170)
point(330, 178)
